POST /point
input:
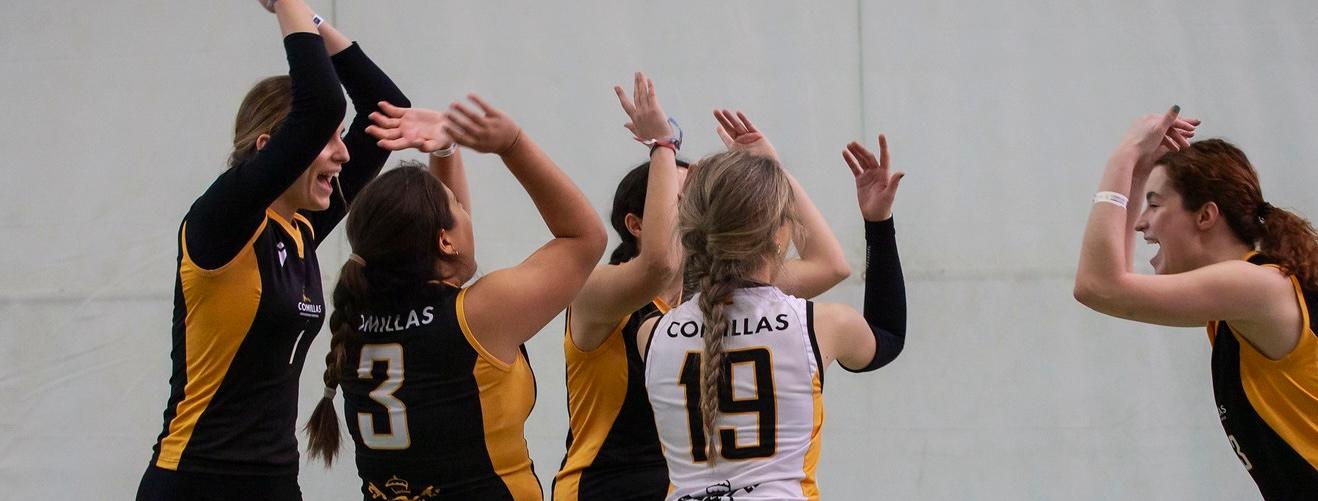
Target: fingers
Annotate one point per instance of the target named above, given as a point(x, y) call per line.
point(484, 106)
point(457, 110)
point(391, 110)
point(883, 151)
point(895, 180)
point(852, 163)
point(379, 132)
point(723, 136)
point(1169, 118)
point(746, 122)
point(639, 89)
point(385, 121)
point(1170, 143)
point(649, 92)
point(398, 144)
point(864, 158)
point(730, 123)
point(460, 122)
point(459, 134)
point(627, 106)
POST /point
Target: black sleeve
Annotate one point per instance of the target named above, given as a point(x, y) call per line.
point(224, 218)
point(367, 85)
point(885, 294)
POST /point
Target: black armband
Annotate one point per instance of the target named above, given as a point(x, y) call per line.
point(885, 294)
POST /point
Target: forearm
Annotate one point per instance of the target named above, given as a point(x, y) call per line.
point(450, 171)
point(820, 246)
point(1135, 205)
point(1108, 234)
point(885, 294)
point(294, 17)
point(565, 210)
point(335, 41)
point(658, 245)
point(367, 85)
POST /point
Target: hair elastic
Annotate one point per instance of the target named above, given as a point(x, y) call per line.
point(330, 391)
point(1111, 197)
point(357, 259)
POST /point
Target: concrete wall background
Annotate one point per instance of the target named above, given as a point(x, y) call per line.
point(1002, 112)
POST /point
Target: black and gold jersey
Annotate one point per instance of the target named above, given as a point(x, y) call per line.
point(1269, 408)
point(241, 333)
point(434, 415)
point(612, 446)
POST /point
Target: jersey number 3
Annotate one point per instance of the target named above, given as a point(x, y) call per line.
point(396, 437)
point(762, 405)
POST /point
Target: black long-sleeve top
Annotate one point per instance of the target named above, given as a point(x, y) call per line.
point(885, 294)
point(248, 299)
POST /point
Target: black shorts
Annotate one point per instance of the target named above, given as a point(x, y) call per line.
point(159, 484)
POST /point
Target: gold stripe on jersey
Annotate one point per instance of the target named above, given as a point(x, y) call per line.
point(506, 401)
point(597, 387)
point(1285, 392)
point(808, 485)
point(221, 305)
point(291, 229)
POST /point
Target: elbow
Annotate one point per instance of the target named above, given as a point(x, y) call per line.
point(1090, 293)
point(840, 271)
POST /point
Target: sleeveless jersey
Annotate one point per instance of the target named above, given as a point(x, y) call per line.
point(612, 446)
point(770, 407)
point(433, 415)
point(241, 333)
point(1269, 409)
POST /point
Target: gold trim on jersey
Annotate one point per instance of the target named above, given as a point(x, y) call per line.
point(507, 394)
point(1284, 392)
point(597, 388)
point(808, 485)
point(291, 229)
point(220, 308)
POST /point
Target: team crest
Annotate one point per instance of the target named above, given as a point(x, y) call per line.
point(721, 491)
point(400, 490)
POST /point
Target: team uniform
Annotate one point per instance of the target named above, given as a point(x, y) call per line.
point(612, 447)
point(435, 416)
point(248, 299)
point(770, 414)
point(1269, 409)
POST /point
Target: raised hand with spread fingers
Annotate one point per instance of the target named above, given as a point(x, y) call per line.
point(876, 183)
point(738, 133)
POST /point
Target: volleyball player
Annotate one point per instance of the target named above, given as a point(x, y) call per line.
point(613, 448)
point(735, 374)
point(1226, 259)
point(436, 384)
point(247, 299)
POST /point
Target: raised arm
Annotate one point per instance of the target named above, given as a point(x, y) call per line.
point(398, 128)
point(1231, 290)
point(223, 219)
point(821, 263)
point(613, 292)
point(863, 343)
point(367, 86)
point(506, 307)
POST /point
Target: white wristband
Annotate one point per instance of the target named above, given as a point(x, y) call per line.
point(1111, 197)
point(446, 151)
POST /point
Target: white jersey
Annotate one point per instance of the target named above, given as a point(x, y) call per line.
point(769, 425)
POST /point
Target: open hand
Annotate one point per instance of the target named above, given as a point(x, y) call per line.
point(876, 185)
point(738, 133)
point(403, 128)
point(490, 131)
point(647, 119)
point(1154, 135)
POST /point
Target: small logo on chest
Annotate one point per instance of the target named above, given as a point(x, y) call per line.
point(309, 309)
point(283, 253)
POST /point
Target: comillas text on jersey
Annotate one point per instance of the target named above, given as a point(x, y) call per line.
point(736, 327)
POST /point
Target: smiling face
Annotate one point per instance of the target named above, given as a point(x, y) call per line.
point(313, 189)
point(1168, 225)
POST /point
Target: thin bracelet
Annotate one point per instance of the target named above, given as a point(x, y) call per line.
point(446, 151)
point(1111, 197)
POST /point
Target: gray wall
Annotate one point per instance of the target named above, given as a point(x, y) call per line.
point(1003, 112)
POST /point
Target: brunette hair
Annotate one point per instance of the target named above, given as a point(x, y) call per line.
point(392, 230)
point(262, 112)
point(630, 199)
point(1216, 171)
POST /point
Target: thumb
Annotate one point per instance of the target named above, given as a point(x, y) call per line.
point(895, 180)
point(723, 135)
